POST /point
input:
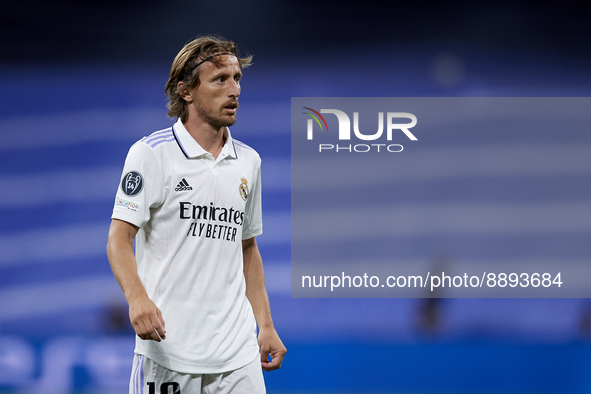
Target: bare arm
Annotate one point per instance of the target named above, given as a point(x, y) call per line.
point(256, 292)
point(144, 315)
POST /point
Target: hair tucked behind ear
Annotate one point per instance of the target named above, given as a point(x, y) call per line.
point(184, 69)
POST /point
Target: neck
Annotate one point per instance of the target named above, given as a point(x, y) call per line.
point(210, 138)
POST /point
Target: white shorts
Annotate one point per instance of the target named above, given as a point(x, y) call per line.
point(147, 377)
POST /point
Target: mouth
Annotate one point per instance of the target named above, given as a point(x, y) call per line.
point(231, 107)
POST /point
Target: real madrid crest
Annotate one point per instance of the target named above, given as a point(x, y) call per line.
point(244, 188)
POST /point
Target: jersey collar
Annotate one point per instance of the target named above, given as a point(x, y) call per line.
point(191, 148)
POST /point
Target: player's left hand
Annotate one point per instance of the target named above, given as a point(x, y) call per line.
point(271, 345)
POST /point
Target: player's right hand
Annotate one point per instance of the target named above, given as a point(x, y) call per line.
point(147, 320)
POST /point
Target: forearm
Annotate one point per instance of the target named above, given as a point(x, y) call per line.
point(144, 315)
point(122, 260)
point(256, 291)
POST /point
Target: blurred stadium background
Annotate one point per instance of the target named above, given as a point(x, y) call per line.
point(82, 80)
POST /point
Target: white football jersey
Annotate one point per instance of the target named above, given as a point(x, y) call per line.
point(193, 212)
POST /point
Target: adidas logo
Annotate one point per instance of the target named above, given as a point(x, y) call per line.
point(183, 185)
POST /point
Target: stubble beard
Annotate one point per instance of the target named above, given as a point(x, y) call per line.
point(216, 122)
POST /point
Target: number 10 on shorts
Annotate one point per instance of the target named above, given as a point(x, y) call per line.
point(176, 389)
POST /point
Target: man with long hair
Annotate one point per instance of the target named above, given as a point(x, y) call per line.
point(190, 197)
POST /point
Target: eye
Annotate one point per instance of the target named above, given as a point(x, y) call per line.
point(237, 78)
point(219, 79)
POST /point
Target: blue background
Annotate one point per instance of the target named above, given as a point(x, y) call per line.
point(81, 81)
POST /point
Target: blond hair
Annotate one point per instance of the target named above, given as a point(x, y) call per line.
point(184, 69)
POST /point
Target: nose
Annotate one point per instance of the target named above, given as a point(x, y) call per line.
point(234, 89)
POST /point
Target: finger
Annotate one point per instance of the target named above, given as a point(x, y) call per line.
point(161, 319)
point(158, 325)
point(141, 330)
point(138, 330)
point(153, 334)
point(148, 331)
point(136, 327)
point(156, 333)
point(271, 365)
point(143, 336)
point(274, 363)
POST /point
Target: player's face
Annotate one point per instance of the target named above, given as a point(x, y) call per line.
point(216, 97)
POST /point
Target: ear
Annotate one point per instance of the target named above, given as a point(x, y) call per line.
point(184, 92)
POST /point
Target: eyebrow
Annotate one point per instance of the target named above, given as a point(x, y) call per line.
point(224, 72)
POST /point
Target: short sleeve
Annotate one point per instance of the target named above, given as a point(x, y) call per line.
point(141, 186)
point(253, 222)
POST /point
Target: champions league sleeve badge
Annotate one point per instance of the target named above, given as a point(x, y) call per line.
point(132, 183)
point(243, 189)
